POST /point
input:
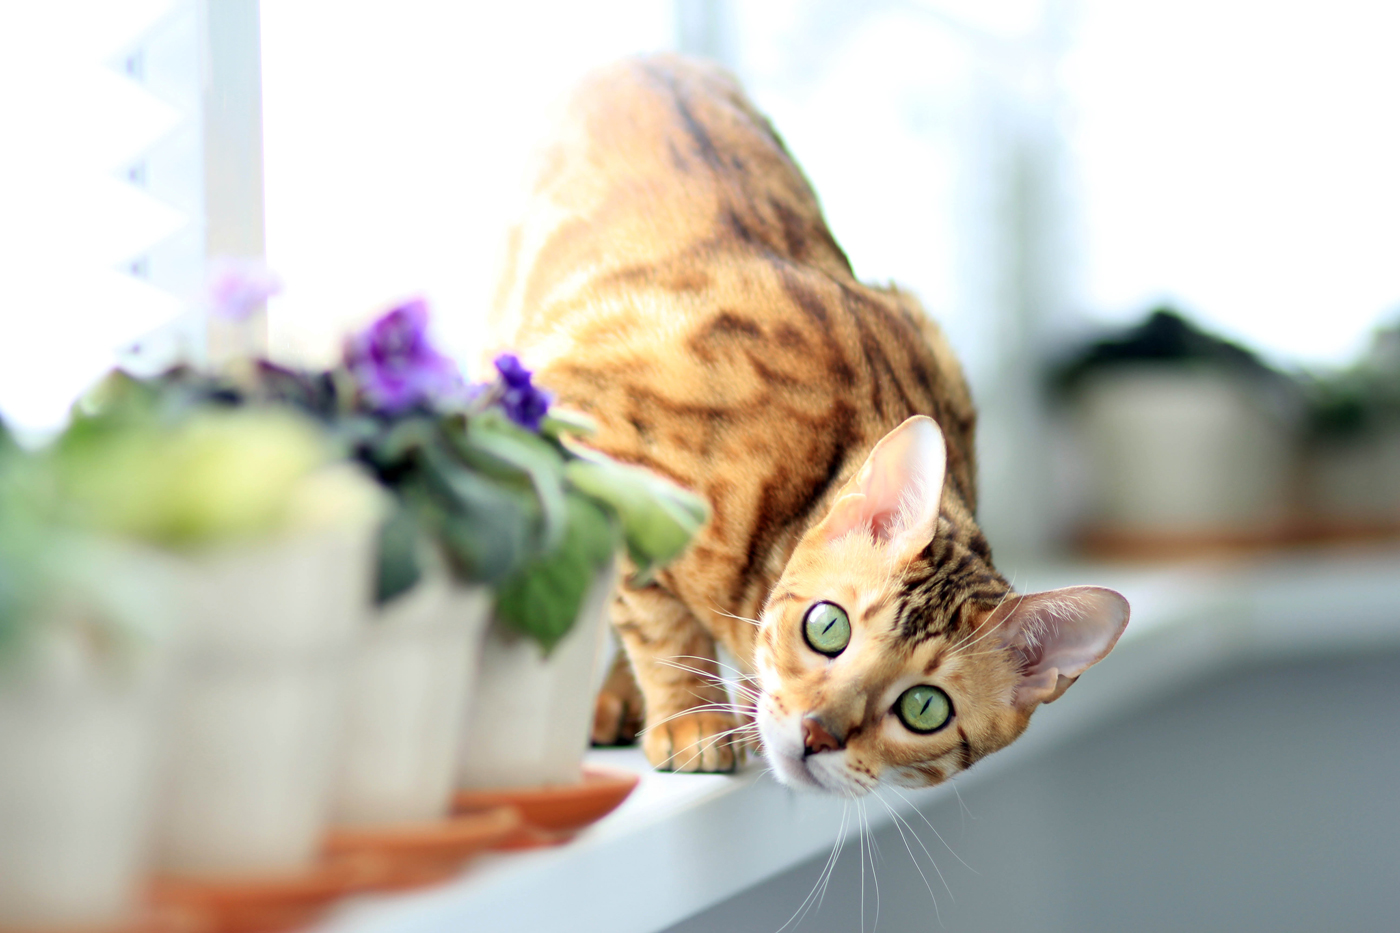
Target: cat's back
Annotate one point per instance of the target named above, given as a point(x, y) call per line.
point(674, 278)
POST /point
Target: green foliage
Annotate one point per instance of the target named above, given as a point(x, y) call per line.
point(1362, 397)
point(19, 544)
point(543, 598)
point(215, 476)
point(399, 570)
point(658, 517)
point(534, 514)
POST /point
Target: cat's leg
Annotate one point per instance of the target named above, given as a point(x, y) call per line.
point(689, 725)
point(618, 711)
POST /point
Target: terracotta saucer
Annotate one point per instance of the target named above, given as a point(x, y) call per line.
point(423, 853)
point(266, 904)
point(553, 813)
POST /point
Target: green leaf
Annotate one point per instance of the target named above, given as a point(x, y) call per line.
point(561, 421)
point(9, 447)
point(485, 526)
point(402, 440)
point(494, 444)
point(399, 540)
point(659, 518)
point(543, 599)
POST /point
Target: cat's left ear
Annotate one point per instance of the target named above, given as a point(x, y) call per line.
point(1058, 635)
point(896, 494)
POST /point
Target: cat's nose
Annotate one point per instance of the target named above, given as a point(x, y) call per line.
point(816, 738)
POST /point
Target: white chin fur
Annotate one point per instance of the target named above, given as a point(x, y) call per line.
point(821, 773)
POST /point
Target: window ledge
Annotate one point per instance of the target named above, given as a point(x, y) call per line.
point(682, 843)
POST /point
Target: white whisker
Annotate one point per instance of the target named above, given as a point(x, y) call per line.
point(723, 612)
point(935, 831)
point(821, 877)
point(899, 824)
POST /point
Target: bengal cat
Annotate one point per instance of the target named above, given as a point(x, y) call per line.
point(673, 277)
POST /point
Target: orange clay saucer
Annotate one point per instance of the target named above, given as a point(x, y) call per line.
point(355, 861)
point(553, 813)
point(423, 853)
point(266, 904)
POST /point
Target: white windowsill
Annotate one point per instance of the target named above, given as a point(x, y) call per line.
point(682, 843)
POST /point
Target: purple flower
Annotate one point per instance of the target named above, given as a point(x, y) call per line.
point(238, 287)
point(394, 364)
point(523, 403)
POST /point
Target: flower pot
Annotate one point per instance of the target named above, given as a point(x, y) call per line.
point(1184, 451)
point(79, 720)
point(409, 684)
point(529, 721)
point(1354, 482)
point(74, 802)
point(255, 721)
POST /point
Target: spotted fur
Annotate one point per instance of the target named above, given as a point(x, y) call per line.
point(674, 278)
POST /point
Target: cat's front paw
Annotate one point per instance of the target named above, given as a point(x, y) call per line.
point(698, 741)
point(617, 712)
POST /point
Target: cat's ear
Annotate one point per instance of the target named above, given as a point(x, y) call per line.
point(1056, 636)
point(895, 496)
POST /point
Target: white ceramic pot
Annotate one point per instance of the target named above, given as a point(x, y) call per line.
point(75, 768)
point(1183, 450)
point(409, 684)
point(79, 720)
point(255, 722)
point(530, 719)
point(1355, 482)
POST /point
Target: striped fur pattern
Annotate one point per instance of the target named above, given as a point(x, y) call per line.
point(673, 278)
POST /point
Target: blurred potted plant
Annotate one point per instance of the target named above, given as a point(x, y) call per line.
point(271, 540)
point(1353, 449)
point(1187, 437)
point(83, 639)
point(496, 480)
point(489, 491)
point(530, 721)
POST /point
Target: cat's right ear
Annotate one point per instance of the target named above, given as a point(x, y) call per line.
point(895, 496)
point(1056, 636)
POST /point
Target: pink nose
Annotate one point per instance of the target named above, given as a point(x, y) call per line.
point(815, 738)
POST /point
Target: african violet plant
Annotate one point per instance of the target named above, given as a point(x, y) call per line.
point(489, 472)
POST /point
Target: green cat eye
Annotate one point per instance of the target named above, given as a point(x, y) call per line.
point(827, 629)
point(923, 709)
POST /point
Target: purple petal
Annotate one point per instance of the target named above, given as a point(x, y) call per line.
point(395, 364)
point(238, 287)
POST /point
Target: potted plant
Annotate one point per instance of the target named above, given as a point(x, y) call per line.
point(271, 540)
point(530, 720)
point(1188, 439)
point(1353, 442)
point(489, 490)
point(499, 484)
point(83, 641)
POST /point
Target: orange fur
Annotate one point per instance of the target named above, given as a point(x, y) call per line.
point(674, 278)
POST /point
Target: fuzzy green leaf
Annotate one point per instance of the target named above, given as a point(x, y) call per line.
point(658, 517)
point(543, 599)
point(399, 540)
point(494, 444)
point(486, 526)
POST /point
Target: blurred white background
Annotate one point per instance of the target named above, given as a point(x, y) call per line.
point(1026, 165)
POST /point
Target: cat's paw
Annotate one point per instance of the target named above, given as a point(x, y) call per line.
point(617, 717)
point(698, 741)
point(618, 709)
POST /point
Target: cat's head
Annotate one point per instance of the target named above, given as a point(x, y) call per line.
point(891, 650)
